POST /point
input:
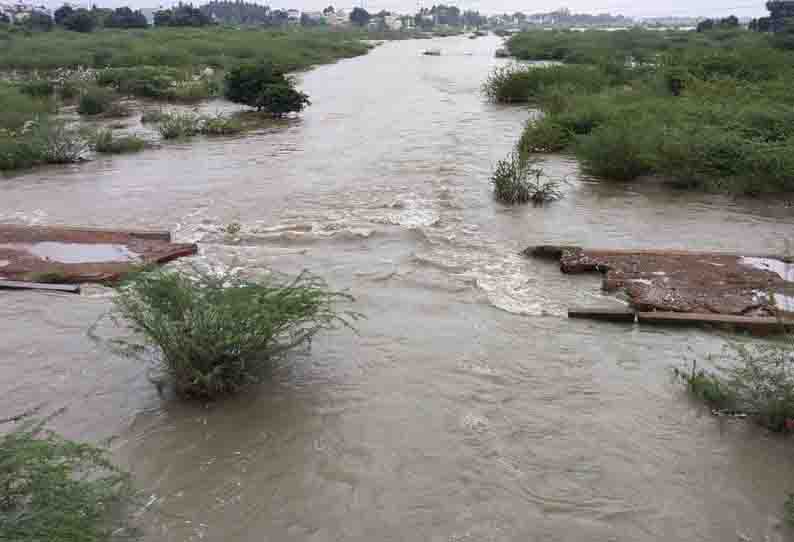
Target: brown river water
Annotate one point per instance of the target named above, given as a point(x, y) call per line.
point(467, 407)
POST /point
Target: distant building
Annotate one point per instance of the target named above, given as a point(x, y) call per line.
point(19, 11)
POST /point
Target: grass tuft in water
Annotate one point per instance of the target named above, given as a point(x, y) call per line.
point(216, 334)
point(56, 490)
point(517, 180)
point(106, 143)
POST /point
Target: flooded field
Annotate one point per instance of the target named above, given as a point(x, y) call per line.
point(467, 407)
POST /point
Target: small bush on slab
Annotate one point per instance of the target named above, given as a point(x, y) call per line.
point(216, 334)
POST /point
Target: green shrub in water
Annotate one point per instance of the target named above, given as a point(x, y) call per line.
point(516, 83)
point(616, 151)
point(220, 125)
point(95, 100)
point(215, 334)
point(756, 379)
point(178, 125)
point(106, 143)
point(56, 490)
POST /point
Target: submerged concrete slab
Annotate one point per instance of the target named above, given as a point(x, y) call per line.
point(47, 254)
point(686, 282)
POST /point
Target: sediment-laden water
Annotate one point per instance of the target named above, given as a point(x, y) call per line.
point(467, 408)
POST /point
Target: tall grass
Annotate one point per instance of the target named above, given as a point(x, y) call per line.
point(105, 142)
point(517, 179)
point(518, 83)
point(216, 334)
point(755, 379)
point(177, 47)
point(704, 112)
point(57, 490)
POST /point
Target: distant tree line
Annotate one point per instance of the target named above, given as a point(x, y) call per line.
point(712, 24)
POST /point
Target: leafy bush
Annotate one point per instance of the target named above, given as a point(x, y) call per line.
point(38, 88)
point(178, 125)
point(105, 142)
point(220, 125)
point(618, 150)
point(17, 108)
point(182, 125)
point(517, 180)
point(516, 83)
point(152, 116)
point(60, 144)
point(95, 100)
point(215, 334)
point(758, 380)
point(279, 100)
point(58, 490)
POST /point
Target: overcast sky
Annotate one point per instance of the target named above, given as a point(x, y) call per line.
point(644, 8)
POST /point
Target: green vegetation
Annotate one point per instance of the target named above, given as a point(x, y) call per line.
point(216, 334)
point(757, 379)
point(106, 143)
point(95, 100)
point(170, 64)
point(264, 87)
point(518, 83)
point(517, 180)
point(57, 490)
point(707, 110)
point(187, 49)
point(184, 125)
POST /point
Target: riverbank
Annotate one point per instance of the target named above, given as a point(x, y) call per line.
point(48, 74)
point(708, 111)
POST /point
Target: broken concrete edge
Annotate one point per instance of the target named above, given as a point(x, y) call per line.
point(23, 285)
point(766, 324)
point(556, 252)
point(154, 235)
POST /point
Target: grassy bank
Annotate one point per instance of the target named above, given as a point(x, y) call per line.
point(183, 48)
point(94, 71)
point(701, 110)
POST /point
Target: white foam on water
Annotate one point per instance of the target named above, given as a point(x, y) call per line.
point(784, 270)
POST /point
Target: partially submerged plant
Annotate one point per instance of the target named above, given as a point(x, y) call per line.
point(758, 381)
point(516, 179)
point(178, 125)
point(105, 142)
point(56, 490)
point(215, 334)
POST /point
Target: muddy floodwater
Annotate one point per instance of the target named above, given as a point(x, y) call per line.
point(467, 407)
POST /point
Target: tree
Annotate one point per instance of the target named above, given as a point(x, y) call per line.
point(704, 26)
point(182, 15)
point(126, 18)
point(329, 11)
point(264, 87)
point(81, 20)
point(281, 99)
point(38, 20)
point(63, 13)
point(360, 16)
point(4, 19)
